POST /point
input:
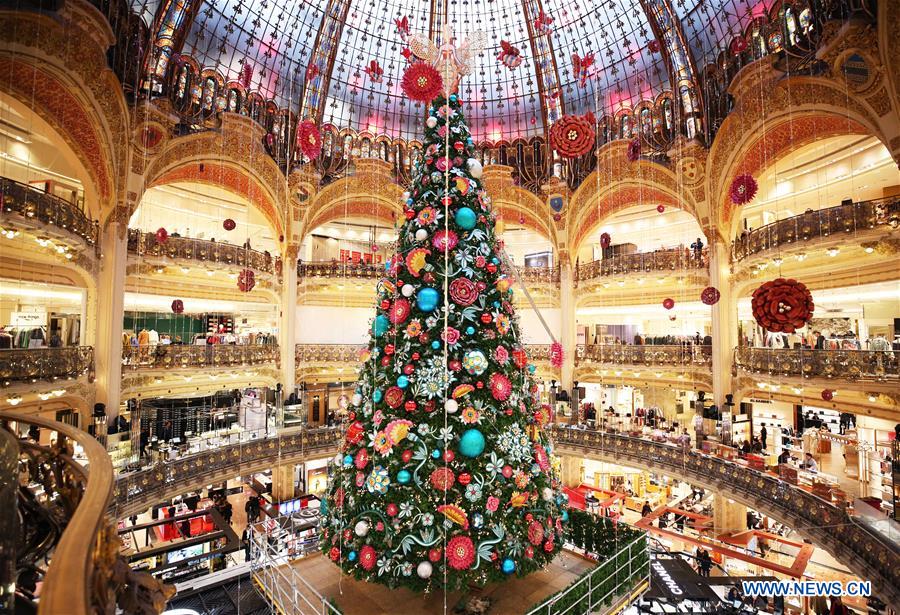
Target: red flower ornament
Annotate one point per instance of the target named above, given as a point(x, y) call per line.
point(556, 354)
point(634, 150)
point(738, 46)
point(367, 557)
point(246, 280)
point(309, 139)
point(782, 305)
point(400, 311)
point(177, 306)
point(460, 552)
point(653, 46)
point(605, 240)
point(710, 295)
point(422, 82)
point(572, 136)
point(501, 387)
point(463, 291)
point(442, 479)
point(743, 189)
point(827, 394)
point(229, 224)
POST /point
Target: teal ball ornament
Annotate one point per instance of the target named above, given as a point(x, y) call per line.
point(435, 454)
point(348, 460)
point(377, 395)
point(403, 477)
point(402, 382)
point(381, 325)
point(565, 515)
point(509, 566)
point(465, 218)
point(470, 330)
point(427, 299)
point(435, 344)
point(471, 444)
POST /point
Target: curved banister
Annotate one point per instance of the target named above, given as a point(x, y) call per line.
point(674, 259)
point(864, 551)
point(180, 356)
point(651, 355)
point(203, 250)
point(855, 365)
point(49, 364)
point(29, 202)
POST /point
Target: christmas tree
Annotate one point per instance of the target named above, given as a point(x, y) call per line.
point(445, 475)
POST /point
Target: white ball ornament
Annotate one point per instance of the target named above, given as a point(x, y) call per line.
point(547, 494)
point(361, 528)
point(451, 406)
point(424, 570)
point(356, 399)
point(407, 290)
point(405, 196)
point(338, 459)
point(475, 168)
point(431, 122)
point(421, 235)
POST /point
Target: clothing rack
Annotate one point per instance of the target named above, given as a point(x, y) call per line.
point(19, 337)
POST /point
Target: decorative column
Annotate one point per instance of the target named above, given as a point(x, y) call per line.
point(567, 321)
point(283, 482)
point(288, 330)
point(110, 311)
point(724, 329)
point(728, 515)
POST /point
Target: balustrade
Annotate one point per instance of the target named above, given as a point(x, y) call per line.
point(349, 353)
point(643, 262)
point(683, 355)
point(853, 365)
point(176, 356)
point(867, 553)
point(339, 270)
point(184, 248)
point(31, 204)
point(850, 218)
point(47, 364)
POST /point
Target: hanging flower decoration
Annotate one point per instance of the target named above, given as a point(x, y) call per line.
point(782, 305)
point(422, 82)
point(402, 26)
point(375, 72)
point(634, 150)
point(668, 303)
point(743, 189)
point(309, 139)
point(460, 552)
point(509, 56)
point(229, 224)
point(738, 46)
point(542, 23)
point(177, 306)
point(312, 71)
point(556, 355)
point(653, 46)
point(581, 66)
point(399, 312)
point(605, 239)
point(246, 280)
point(246, 73)
point(162, 235)
point(710, 295)
point(572, 136)
point(827, 394)
point(445, 240)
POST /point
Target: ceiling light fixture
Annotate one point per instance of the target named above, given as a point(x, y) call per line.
point(832, 252)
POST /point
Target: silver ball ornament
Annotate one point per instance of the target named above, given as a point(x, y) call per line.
point(421, 235)
point(361, 528)
point(407, 290)
point(424, 570)
point(475, 168)
point(431, 122)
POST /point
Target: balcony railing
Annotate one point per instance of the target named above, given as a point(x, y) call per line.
point(685, 355)
point(678, 259)
point(176, 356)
point(28, 203)
point(851, 218)
point(869, 365)
point(339, 270)
point(349, 353)
point(863, 550)
point(46, 364)
point(538, 275)
point(184, 248)
point(138, 490)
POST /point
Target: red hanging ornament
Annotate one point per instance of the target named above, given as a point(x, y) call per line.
point(402, 28)
point(581, 67)
point(556, 355)
point(653, 46)
point(422, 82)
point(229, 224)
point(246, 280)
point(827, 394)
point(743, 189)
point(660, 208)
point(668, 303)
point(246, 73)
point(738, 46)
point(309, 139)
point(177, 306)
point(605, 240)
point(782, 305)
point(634, 150)
point(375, 72)
point(542, 23)
point(509, 56)
point(572, 136)
point(162, 235)
point(312, 71)
point(710, 295)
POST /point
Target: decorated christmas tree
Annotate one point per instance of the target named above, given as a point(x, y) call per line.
point(445, 475)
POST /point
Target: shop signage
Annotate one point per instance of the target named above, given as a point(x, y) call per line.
point(666, 579)
point(29, 319)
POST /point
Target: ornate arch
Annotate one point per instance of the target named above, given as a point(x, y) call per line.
point(513, 202)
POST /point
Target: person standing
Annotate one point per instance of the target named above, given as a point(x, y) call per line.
point(763, 434)
point(646, 509)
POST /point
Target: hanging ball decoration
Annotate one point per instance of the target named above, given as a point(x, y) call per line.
point(738, 46)
point(424, 570)
point(465, 218)
point(605, 240)
point(361, 528)
point(782, 306)
point(827, 394)
point(162, 235)
point(381, 325)
point(356, 400)
point(451, 406)
point(421, 235)
point(475, 168)
point(246, 280)
point(743, 189)
point(710, 295)
point(668, 303)
point(403, 477)
point(229, 224)
point(474, 362)
point(660, 208)
point(407, 290)
point(427, 299)
point(508, 566)
point(431, 122)
point(177, 306)
point(471, 444)
point(402, 382)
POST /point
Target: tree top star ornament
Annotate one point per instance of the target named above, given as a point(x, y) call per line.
point(451, 61)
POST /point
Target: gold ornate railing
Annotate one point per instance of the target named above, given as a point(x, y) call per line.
point(851, 218)
point(184, 248)
point(865, 552)
point(337, 269)
point(649, 355)
point(349, 353)
point(32, 204)
point(176, 356)
point(47, 364)
point(538, 275)
point(137, 491)
point(643, 262)
point(838, 364)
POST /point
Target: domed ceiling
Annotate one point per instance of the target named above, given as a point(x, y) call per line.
point(323, 57)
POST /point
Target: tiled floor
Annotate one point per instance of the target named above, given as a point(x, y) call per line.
point(360, 598)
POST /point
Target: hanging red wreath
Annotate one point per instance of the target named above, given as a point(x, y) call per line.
point(246, 280)
point(668, 303)
point(572, 136)
point(421, 82)
point(743, 189)
point(177, 306)
point(162, 235)
point(653, 46)
point(782, 305)
point(634, 150)
point(710, 295)
point(309, 139)
point(605, 239)
point(229, 224)
point(827, 394)
point(738, 46)
point(556, 354)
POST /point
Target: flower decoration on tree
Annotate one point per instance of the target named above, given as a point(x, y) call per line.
point(422, 82)
point(177, 306)
point(605, 240)
point(782, 305)
point(634, 149)
point(463, 291)
point(229, 224)
point(556, 355)
point(710, 295)
point(572, 136)
point(246, 280)
point(309, 139)
point(460, 552)
point(743, 189)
